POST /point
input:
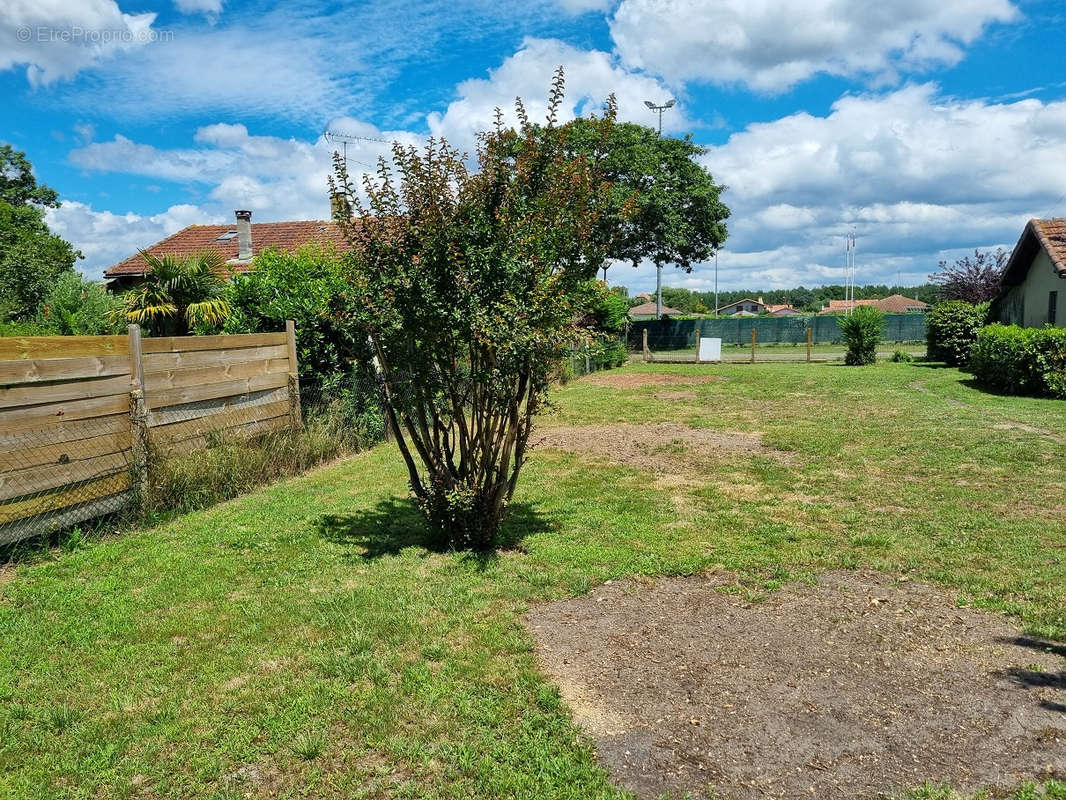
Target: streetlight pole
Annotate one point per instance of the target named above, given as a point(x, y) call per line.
point(716, 284)
point(659, 267)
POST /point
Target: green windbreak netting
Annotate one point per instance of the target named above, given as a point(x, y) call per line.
point(676, 334)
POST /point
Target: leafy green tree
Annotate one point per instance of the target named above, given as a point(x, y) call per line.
point(307, 287)
point(861, 331)
point(469, 286)
point(679, 217)
point(31, 256)
point(178, 294)
point(76, 306)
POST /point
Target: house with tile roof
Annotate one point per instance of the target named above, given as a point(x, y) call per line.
point(893, 304)
point(647, 311)
point(1033, 286)
point(743, 308)
point(237, 244)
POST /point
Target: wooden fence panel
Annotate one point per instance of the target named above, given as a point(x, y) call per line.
point(68, 434)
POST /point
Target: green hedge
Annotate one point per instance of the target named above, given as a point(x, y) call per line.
point(1016, 360)
point(951, 330)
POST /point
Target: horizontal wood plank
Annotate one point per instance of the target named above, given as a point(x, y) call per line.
point(218, 422)
point(59, 433)
point(72, 515)
point(23, 347)
point(243, 386)
point(161, 362)
point(220, 373)
point(48, 503)
point(38, 394)
point(215, 406)
point(42, 452)
point(182, 344)
point(239, 432)
point(39, 417)
point(33, 370)
point(53, 476)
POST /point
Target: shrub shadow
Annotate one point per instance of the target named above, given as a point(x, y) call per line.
point(1038, 679)
point(395, 524)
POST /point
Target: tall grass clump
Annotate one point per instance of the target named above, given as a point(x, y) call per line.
point(861, 331)
point(337, 422)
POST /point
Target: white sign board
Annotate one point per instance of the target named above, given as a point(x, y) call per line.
point(710, 349)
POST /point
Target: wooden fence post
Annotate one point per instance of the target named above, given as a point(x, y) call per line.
point(752, 344)
point(647, 353)
point(295, 415)
point(138, 416)
point(808, 345)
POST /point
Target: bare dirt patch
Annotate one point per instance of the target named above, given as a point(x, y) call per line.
point(663, 447)
point(620, 379)
point(855, 688)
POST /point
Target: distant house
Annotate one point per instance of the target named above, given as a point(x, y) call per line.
point(238, 244)
point(844, 306)
point(1035, 277)
point(893, 304)
point(647, 311)
point(783, 311)
point(745, 307)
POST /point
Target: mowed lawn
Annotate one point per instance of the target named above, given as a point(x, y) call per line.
point(302, 642)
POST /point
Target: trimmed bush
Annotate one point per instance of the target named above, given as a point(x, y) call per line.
point(1014, 360)
point(951, 330)
point(861, 331)
point(901, 357)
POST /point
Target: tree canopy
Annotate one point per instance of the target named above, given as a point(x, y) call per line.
point(972, 279)
point(665, 207)
point(31, 256)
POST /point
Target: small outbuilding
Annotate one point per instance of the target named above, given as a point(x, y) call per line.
point(1035, 277)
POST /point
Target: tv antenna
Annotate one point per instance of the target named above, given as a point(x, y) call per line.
point(344, 138)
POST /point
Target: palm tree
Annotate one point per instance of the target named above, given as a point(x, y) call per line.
point(179, 293)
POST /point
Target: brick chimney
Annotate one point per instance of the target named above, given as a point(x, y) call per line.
point(244, 235)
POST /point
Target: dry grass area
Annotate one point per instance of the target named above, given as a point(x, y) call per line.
point(851, 688)
point(660, 447)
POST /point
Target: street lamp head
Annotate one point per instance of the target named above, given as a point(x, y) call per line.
point(669, 104)
point(650, 104)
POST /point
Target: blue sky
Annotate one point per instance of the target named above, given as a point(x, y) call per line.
point(929, 127)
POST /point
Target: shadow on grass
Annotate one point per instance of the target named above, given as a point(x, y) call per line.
point(394, 524)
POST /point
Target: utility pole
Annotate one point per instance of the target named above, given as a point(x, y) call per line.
point(659, 267)
point(716, 284)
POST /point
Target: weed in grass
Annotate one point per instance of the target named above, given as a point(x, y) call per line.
point(60, 718)
point(309, 745)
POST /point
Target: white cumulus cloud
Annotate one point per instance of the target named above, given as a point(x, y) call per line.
point(771, 45)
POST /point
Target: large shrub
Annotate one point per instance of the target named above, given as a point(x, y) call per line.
point(306, 287)
point(470, 286)
point(951, 330)
point(861, 331)
point(75, 306)
point(1017, 360)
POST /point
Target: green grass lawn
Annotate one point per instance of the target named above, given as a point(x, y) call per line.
point(302, 642)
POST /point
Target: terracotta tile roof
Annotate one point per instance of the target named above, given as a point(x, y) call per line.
point(1051, 233)
point(772, 307)
point(648, 309)
point(898, 304)
point(844, 305)
point(289, 236)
